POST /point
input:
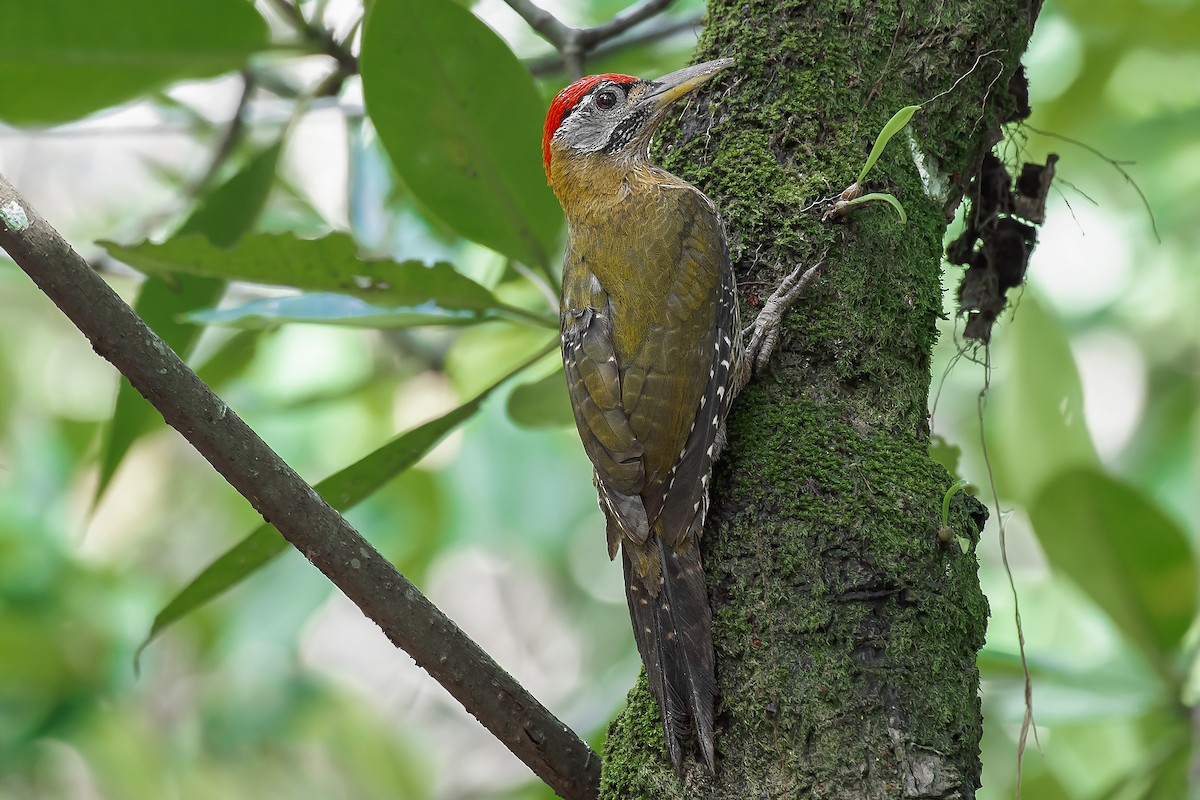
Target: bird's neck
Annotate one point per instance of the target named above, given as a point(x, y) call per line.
point(592, 184)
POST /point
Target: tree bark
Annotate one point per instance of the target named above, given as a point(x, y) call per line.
point(846, 632)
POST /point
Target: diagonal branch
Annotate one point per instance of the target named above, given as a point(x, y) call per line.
point(656, 31)
point(575, 43)
point(552, 29)
point(590, 37)
point(410, 621)
point(318, 35)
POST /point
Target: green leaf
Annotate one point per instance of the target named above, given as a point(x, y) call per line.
point(542, 404)
point(954, 489)
point(887, 198)
point(1074, 692)
point(226, 214)
point(329, 264)
point(481, 354)
point(229, 212)
point(1120, 548)
point(230, 359)
point(326, 308)
point(945, 453)
point(461, 119)
point(417, 500)
point(342, 490)
point(1035, 425)
point(893, 126)
point(1173, 776)
point(64, 59)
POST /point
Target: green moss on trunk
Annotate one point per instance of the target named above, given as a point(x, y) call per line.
point(846, 633)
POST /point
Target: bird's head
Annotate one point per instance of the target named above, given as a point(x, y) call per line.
point(613, 116)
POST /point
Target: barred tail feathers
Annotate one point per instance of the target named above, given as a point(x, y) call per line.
point(672, 624)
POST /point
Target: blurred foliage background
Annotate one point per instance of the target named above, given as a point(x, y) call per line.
point(116, 124)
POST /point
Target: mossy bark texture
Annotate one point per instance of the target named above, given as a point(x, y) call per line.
point(846, 632)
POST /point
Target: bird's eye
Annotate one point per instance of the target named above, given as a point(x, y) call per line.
point(606, 99)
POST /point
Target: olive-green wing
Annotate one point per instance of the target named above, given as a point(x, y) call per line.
point(594, 385)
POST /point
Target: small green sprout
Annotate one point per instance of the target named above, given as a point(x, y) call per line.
point(946, 533)
point(887, 198)
point(894, 126)
point(852, 195)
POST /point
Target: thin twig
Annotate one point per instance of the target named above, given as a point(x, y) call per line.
point(549, 26)
point(1027, 721)
point(409, 620)
point(660, 29)
point(318, 35)
point(962, 77)
point(575, 44)
point(1119, 166)
point(590, 37)
point(539, 283)
point(234, 132)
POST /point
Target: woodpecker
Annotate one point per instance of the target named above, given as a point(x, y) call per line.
point(653, 353)
point(650, 334)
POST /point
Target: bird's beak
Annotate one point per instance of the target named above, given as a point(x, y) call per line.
point(669, 88)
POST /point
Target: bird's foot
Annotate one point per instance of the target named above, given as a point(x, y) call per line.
point(762, 336)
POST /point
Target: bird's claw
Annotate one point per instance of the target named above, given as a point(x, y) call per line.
point(763, 334)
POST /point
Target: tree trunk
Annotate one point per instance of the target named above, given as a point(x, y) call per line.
point(846, 632)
